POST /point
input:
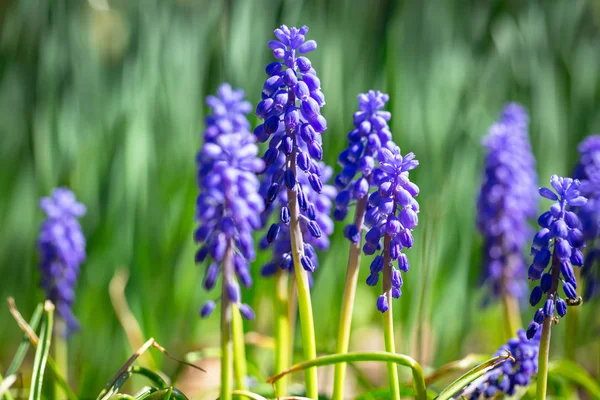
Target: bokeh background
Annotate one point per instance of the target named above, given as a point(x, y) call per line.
point(107, 98)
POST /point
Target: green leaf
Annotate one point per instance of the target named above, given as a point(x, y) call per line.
point(474, 374)
point(401, 359)
point(6, 384)
point(574, 373)
point(24, 346)
point(247, 394)
point(41, 353)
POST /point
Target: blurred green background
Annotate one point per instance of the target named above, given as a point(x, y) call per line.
point(107, 97)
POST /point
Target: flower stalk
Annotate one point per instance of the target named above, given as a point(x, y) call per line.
point(388, 319)
point(304, 300)
point(282, 330)
point(226, 312)
point(240, 369)
point(348, 301)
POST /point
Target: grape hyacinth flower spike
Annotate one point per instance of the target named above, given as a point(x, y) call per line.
point(291, 110)
point(358, 161)
point(556, 249)
point(62, 251)
point(508, 376)
point(391, 217)
point(228, 209)
point(507, 201)
point(588, 172)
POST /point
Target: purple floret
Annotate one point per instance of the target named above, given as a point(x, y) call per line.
point(62, 251)
point(507, 202)
point(229, 205)
point(556, 248)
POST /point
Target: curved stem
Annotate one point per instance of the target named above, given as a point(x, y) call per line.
point(348, 301)
point(388, 319)
point(282, 329)
point(401, 359)
point(304, 300)
point(226, 325)
point(240, 370)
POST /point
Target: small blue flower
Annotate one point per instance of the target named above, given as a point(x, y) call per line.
point(588, 172)
point(555, 247)
point(292, 123)
point(371, 131)
point(508, 376)
point(62, 251)
point(507, 201)
point(228, 207)
point(391, 212)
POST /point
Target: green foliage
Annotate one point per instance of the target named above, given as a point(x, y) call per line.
point(110, 103)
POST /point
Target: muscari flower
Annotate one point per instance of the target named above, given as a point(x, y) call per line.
point(392, 214)
point(228, 206)
point(62, 250)
point(506, 202)
point(370, 132)
point(278, 236)
point(506, 377)
point(588, 172)
point(556, 249)
point(290, 107)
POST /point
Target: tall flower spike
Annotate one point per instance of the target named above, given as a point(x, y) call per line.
point(370, 132)
point(556, 248)
point(507, 201)
point(291, 110)
point(391, 215)
point(62, 251)
point(588, 172)
point(228, 206)
point(506, 377)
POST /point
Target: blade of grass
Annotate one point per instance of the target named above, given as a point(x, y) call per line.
point(474, 374)
point(417, 371)
point(25, 343)
point(5, 385)
point(573, 372)
point(470, 361)
point(41, 354)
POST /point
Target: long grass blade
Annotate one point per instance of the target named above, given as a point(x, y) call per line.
point(25, 343)
point(574, 373)
point(6, 384)
point(474, 374)
point(41, 353)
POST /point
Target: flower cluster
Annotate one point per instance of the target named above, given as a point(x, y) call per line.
point(290, 107)
point(588, 172)
point(391, 212)
point(507, 201)
point(228, 207)
point(278, 236)
point(371, 131)
point(507, 376)
point(62, 250)
point(558, 243)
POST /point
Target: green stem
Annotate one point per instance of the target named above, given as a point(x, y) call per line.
point(542, 377)
point(226, 325)
point(282, 332)
point(400, 359)
point(388, 319)
point(512, 317)
point(304, 301)
point(348, 302)
point(240, 370)
point(61, 354)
